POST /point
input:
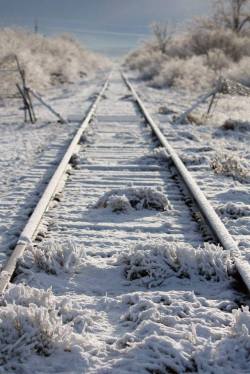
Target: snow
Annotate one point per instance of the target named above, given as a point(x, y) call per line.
point(30, 153)
point(221, 139)
point(134, 292)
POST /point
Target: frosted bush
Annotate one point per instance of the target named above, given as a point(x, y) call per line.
point(195, 74)
point(127, 199)
point(24, 295)
point(70, 311)
point(229, 165)
point(25, 331)
point(194, 59)
point(146, 55)
point(49, 60)
point(53, 257)
point(217, 60)
point(187, 74)
point(203, 40)
point(240, 71)
point(149, 71)
point(153, 264)
point(233, 210)
point(167, 75)
point(119, 204)
point(236, 125)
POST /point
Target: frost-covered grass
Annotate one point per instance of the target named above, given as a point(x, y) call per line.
point(230, 165)
point(28, 330)
point(52, 257)
point(231, 351)
point(126, 199)
point(47, 60)
point(152, 264)
point(178, 332)
point(70, 312)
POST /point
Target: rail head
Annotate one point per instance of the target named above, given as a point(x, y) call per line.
point(212, 219)
point(29, 231)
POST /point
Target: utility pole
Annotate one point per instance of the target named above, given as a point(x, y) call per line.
point(36, 26)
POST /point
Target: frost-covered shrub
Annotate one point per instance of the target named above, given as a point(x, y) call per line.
point(153, 264)
point(48, 60)
point(145, 55)
point(126, 199)
point(194, 59)
point(217, 60)
point(229, 165)
point(203, 40)
point(240, 71)
point(233, 210)
point(25, 331)
point(186, 74)
point(70, 311)
point(24, 295)
point(119, 204)
point(168, 73)
point(236, 125)
point(53, 257)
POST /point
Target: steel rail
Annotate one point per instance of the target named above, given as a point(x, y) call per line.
point(29, 231)
point(212, 219)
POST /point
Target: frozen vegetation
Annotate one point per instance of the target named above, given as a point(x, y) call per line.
point(37, 327)
point(47, 61)
point(152, 264)
point(230, 166)
point(193, 59)
point(160, 341)
point(145, 295)
point(52, 257)
point(127, 199)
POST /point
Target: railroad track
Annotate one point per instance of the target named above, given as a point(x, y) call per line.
point(119, 152)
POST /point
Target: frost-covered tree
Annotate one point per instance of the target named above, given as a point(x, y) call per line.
point(233, 14)
point(162, 35)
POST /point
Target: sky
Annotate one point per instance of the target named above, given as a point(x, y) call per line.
point(108, 26)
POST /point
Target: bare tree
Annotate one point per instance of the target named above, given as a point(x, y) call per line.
point(234, 14)
point(162, 34)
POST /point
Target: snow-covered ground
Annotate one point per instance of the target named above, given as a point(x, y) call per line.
point(122, 281)
point(215, 149)
point(30, 152)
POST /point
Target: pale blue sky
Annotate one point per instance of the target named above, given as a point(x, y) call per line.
point(109, 26)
